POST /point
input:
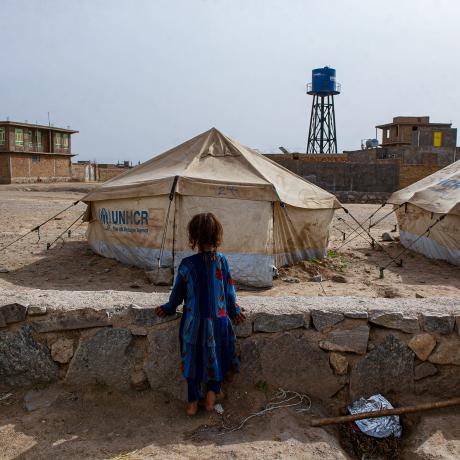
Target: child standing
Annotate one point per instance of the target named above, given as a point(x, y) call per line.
point(206, 335)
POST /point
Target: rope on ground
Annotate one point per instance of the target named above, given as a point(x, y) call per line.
point(283, 399)
point(426, 232)
point(37, 228)
point(67, 230)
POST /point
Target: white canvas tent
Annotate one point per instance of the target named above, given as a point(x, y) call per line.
point(271, 217)
point(427, 200)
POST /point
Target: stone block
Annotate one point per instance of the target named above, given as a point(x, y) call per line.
point(12, 313)
point(23, 361)
point(424, 370)
point(447, 352)
point(395, 320)
point(139, 380)
point(104, 359)
point(37, 310)
point(139, 319)
point(422, 345)
point(267, 322)
point(75, 319)
point(339, 363)
point(438, 322)
point(352, 338)
point(265, 357)
point(62, 350)
point(244, 329)
point(323, 319)
point(162, 364)
point(387, 368)
point(357, 314)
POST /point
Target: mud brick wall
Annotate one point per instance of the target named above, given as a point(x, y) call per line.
point(409, 174)
point(335, 349)
point(29, 168)
point(108, 173)
point(4, 169)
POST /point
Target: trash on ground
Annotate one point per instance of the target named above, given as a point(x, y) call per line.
point(380, 427)
point(219, 409)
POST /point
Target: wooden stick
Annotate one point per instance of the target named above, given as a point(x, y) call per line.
point(385, 412)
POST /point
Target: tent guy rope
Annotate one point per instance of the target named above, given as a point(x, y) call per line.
point(37, 228)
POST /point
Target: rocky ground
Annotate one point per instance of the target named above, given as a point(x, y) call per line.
point(352, 269)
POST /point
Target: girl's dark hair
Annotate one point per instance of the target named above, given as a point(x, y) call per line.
point(204, 230)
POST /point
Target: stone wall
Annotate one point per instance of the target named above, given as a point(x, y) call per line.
point(332, 348)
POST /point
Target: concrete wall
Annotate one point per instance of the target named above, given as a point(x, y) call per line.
point(88, 172)
point(333, 348)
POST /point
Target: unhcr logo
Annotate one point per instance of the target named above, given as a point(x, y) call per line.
point(116, 217)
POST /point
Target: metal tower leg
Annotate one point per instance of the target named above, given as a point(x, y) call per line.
point(322, 137)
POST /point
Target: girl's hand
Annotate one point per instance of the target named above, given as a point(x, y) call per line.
point(241, 317)
point(160, 312)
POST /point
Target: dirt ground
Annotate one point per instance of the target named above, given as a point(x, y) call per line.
point(70, 265)
point(101, 424)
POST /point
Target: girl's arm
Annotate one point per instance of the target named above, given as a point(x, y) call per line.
point(176, 297)
point(233, 309)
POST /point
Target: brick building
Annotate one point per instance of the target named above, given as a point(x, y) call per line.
point(34, 153)
point(406, 131)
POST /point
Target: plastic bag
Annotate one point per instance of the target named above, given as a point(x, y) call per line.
point(380, 427)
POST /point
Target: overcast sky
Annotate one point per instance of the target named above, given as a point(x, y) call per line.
point(138, 77)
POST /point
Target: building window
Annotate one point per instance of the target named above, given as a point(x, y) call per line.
point(19, 136)
point(65, 138)
point(2, 136)
point(58, 140)
point(388, 133)
point(437, 139)
point(38, 138)
point(35, 158)
point(30, 138)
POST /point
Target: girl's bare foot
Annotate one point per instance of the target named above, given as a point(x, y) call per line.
point(192, 408)
point(210, 401)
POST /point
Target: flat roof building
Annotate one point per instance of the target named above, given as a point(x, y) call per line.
point(401, 130)
point(34, 153)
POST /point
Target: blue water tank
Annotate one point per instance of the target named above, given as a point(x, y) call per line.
point(323, 82)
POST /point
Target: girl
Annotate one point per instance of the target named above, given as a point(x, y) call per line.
point(206, 335)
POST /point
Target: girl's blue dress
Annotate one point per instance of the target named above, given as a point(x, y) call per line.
point(206, 334)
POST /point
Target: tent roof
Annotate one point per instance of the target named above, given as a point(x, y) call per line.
point(438, 193)
point(213, 164)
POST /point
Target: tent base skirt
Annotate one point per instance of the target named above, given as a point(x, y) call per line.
point(253, 270)
point(430, 248)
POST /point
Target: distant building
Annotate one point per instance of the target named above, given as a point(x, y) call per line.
point(90, 171)
point(34, 153)
point(407, 131)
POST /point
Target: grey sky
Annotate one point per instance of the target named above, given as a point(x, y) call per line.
point(138, 77)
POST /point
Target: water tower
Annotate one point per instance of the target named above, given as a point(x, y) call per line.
point(322, 136)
